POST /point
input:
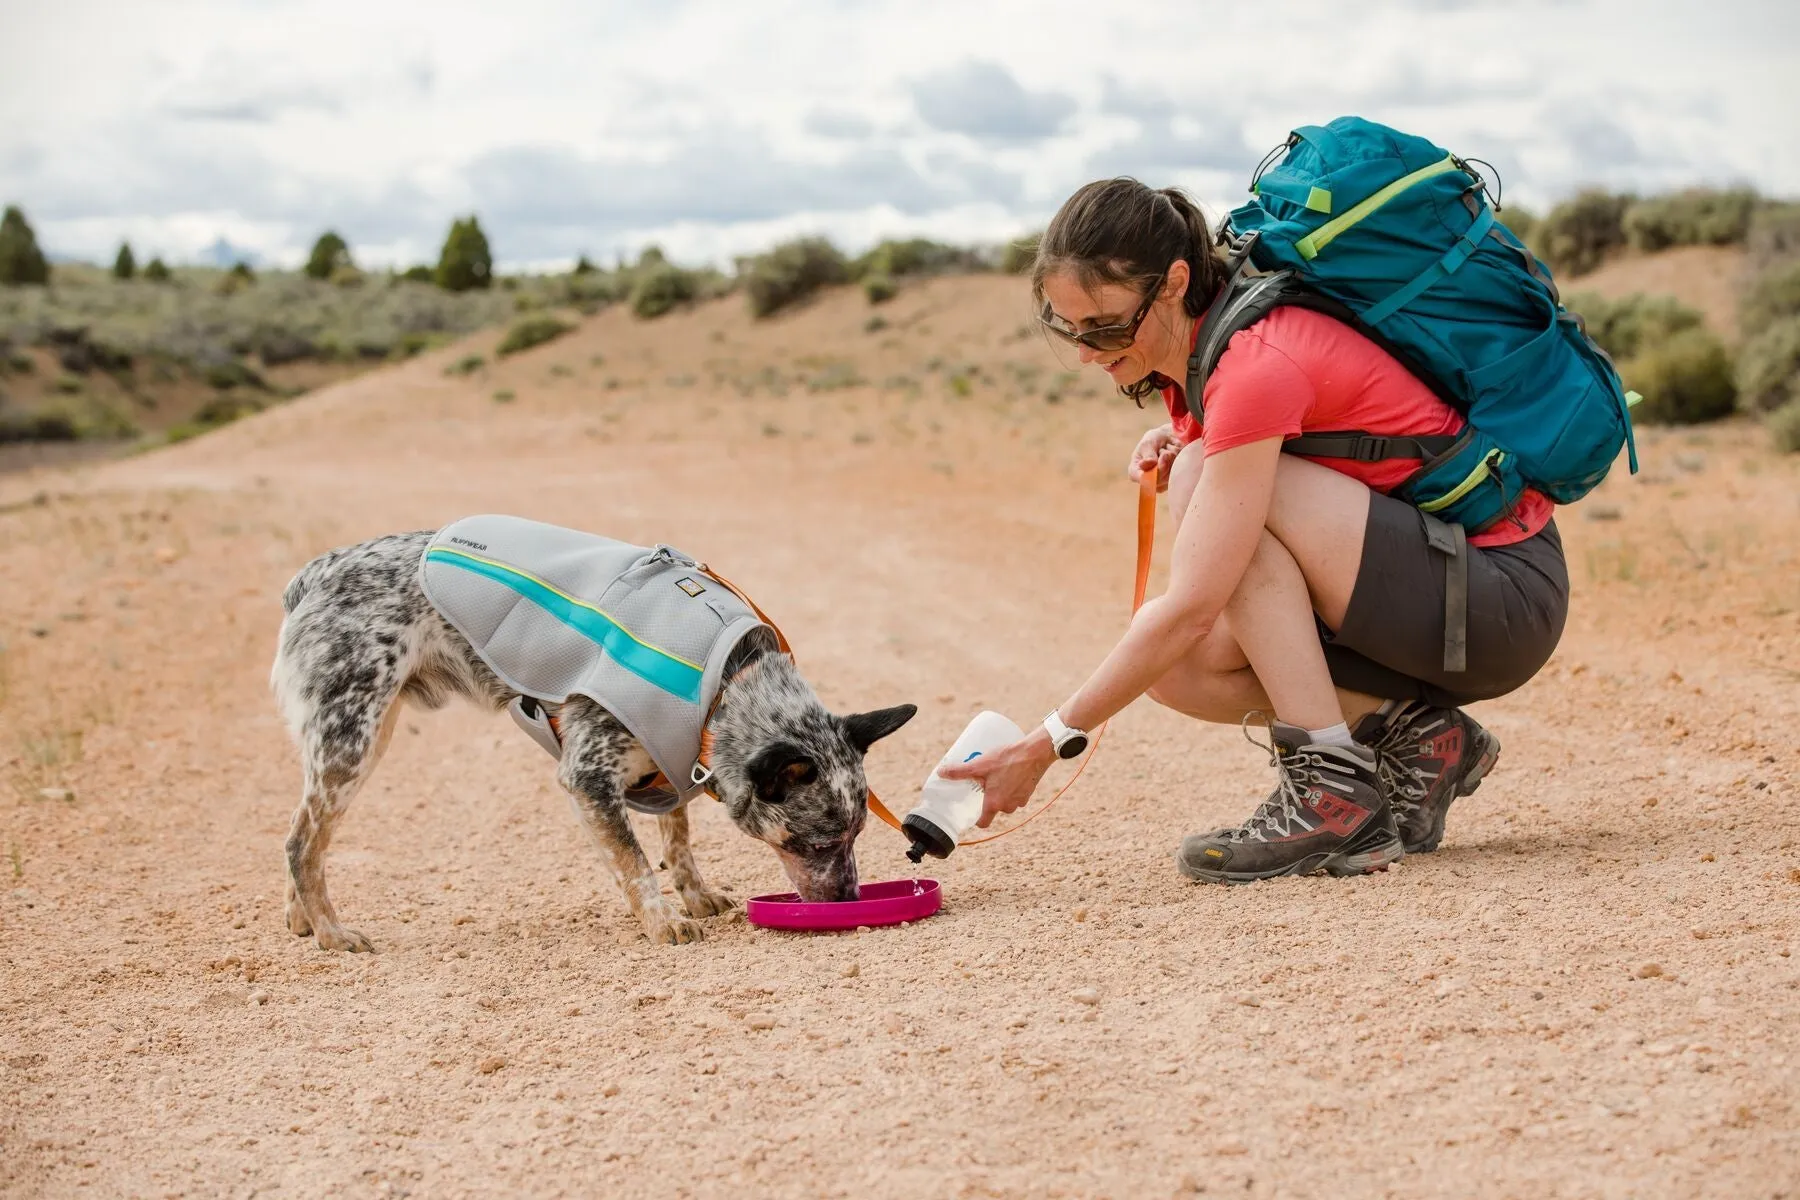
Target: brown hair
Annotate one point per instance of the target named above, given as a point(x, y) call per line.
point(1120, 231)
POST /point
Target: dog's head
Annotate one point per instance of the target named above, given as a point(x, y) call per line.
point(790, 773)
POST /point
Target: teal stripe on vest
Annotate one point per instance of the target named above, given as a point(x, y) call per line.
point(657, 667)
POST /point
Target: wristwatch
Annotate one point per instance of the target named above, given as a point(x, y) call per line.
point(1068, 742)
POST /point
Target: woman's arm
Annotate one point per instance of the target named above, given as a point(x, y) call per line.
point(1219, 535)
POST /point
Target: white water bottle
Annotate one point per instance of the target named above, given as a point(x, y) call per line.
point(948, 807)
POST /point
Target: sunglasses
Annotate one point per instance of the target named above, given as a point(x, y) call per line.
point(1105, 337)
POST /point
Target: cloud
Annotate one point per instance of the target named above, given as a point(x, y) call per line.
point(837, 123)
point(1168, 140)
point(982, 99)
point(542, 199)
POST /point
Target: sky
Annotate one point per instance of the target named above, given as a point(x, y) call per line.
point(716, 128)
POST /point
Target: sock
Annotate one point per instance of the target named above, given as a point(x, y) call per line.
point(1337, 735)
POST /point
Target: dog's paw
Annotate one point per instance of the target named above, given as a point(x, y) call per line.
point(338, 938)
point(700, 902)
point(675, 931)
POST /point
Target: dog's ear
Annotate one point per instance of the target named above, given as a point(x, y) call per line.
point(779, 767)
point(865, 729)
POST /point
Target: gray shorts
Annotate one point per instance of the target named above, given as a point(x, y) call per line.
point(1392, 641)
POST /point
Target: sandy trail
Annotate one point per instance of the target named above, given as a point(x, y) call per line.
point(1589, 991)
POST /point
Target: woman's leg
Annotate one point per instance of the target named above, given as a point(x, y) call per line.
point(1264, 653)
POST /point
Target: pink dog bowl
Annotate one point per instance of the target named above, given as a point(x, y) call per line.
point(887, 903)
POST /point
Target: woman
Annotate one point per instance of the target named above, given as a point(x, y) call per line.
point(1296, 586)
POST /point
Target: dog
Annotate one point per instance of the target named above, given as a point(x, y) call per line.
point(361, 636)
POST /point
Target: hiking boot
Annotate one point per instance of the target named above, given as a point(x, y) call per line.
point(1426, 757)
point(1325, 814)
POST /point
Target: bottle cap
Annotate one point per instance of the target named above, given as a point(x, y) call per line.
point(927, 838)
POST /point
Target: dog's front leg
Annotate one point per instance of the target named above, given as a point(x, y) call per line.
point(594, 752)
point(700, 900)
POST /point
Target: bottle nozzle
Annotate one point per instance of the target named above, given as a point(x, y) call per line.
point(916, 852)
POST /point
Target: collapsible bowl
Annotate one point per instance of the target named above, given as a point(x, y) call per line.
point(886, 903)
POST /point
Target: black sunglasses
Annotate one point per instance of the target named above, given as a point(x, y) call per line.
point(1106, 337)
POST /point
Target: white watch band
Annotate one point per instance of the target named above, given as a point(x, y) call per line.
point(1059, 731)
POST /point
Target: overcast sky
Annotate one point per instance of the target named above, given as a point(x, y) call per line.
point(714, 128)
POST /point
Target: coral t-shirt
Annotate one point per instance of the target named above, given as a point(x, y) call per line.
point(1298, 371)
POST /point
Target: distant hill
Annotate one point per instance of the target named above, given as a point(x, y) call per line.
point(1707, 278)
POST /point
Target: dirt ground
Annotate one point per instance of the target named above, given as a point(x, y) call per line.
point(1589, 991)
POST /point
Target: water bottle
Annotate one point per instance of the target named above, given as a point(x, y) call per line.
point(948, 807)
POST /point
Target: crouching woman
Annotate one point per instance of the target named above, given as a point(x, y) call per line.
point(1297, 587)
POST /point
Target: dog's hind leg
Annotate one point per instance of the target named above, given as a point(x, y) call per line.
point(696, 897)
point(342, 737)
point(596, 749)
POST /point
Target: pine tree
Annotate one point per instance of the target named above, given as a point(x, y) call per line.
point(124, 266)
point(465, 262)
point(328, 254)
point(156, 272)
point(20, 259)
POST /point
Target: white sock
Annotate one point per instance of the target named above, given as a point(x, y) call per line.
point(1337, 735)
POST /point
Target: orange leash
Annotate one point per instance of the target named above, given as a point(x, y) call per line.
point(1146, 538)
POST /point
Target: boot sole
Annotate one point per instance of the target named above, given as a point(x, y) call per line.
point(1488, 755)
point(1340, 863)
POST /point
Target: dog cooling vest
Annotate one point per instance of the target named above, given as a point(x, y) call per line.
point(643, 632)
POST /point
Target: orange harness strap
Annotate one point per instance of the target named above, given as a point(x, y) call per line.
point(1146, 537)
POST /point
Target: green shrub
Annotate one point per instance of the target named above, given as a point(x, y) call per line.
point(1633, 323)
point(1522, 221)
point(38, 426)
point(1768, 367)
point(532, 331)
point(1695, 217)
point(328, 254)
point(1685, 379)
point(125, 265)
point(1772, 296)
point(156, 272)
point(1579, 233)
point(503, 396)
point(789, 273)
point(235, 280)
point(468, 364)
point(1020, 253)
point(20, 259)
point(661, 286)
point(466, 262)
point(232, 374)
point(419, 274)
point(875, 324)
point(880, 289)
point(914, 256)
point(1784, 426)
point(583, 266)
point(1774, 235)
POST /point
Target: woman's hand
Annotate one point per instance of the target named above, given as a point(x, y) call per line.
point(1007, 775)
point(1157, 449)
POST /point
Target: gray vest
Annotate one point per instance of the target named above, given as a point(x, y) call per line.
point(644, 633)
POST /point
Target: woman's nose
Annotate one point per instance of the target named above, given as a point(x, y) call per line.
point(1087, 353)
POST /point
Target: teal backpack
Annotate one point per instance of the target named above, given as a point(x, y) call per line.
point(1396, 237)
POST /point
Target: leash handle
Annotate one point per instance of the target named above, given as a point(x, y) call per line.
point(1146, 539)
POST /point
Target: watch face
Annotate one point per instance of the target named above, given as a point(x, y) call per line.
point(1072, 746)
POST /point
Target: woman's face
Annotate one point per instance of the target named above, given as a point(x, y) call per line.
point(1163, 327)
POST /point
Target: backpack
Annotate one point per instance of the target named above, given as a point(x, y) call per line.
point(1395, 237)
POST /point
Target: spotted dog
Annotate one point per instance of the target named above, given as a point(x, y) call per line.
point(362, 635)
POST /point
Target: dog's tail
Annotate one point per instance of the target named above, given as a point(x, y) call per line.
point(298, 585)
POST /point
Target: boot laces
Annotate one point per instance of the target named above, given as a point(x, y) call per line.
point(1277, 815)
point(1401, 781)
